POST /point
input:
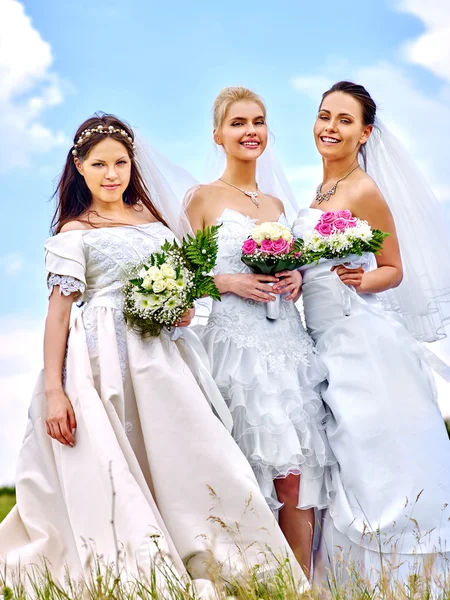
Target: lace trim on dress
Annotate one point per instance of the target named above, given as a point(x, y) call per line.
point(277, 353)
point(67, 285)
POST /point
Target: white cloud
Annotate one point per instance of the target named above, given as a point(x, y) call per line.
point(20, 363)
point(312, 85)
point(431, 49)
point(12, 263)
point(27, 88)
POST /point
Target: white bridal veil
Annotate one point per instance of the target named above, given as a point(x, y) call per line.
point(167, 183)
point(423, 297)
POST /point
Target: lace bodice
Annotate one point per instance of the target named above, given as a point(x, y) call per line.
point(93, 262)
point(92, 265)
point(244, 321)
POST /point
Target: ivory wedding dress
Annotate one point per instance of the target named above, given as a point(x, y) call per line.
point(145, 426)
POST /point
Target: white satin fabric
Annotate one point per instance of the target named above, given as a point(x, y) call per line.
point(268, 374)
point(387, 432)
point(143, 424)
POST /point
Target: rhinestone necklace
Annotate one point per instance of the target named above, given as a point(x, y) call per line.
point(327, 195)
point(252, 195)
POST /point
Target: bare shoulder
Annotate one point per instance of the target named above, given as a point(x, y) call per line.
point(74, 226)
point(199, 197)
point(276, 202)
point(368, 203)
point(366, 195)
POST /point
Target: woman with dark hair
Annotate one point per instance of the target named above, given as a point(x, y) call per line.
point(121, 443)
point(393, 482)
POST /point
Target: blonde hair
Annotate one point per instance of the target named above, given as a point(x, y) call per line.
point(229, 96)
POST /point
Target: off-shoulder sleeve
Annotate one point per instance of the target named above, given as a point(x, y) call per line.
point(65, 263)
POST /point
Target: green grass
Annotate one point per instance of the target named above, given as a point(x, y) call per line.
point(104, 583)
point(7, 501)
point(110, 582)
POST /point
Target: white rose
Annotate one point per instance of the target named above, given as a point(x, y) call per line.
point(171, 284)
point(272, 231)
point(258, 237)
point(153, 272)
point(159, 285)
point(147, 284)
point(168, 271)
point(143, 273)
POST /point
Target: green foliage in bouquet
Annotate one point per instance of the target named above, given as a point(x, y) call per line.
point(162, 288)
point(200, 254)
point(269, 264)
point(358, 247)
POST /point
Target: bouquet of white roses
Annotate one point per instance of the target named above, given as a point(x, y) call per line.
point(162, 288)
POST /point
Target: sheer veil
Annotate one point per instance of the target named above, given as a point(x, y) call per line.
point(423, 297)
point(167, 183)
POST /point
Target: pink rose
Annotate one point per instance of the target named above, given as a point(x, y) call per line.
point(266, 246)
point(280, 246)
point(249, 246)
point(352, 222)
point(324, 228)
point(344, 214)
point(341, 224)
point(328, 217)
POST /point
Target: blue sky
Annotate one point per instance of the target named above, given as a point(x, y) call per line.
point(159, 66)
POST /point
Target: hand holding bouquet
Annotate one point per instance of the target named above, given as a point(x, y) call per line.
point(162, 288)
point(270, 249)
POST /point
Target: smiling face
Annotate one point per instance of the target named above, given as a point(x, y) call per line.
point(339, 129)
point(243, 133)
point(106, 170)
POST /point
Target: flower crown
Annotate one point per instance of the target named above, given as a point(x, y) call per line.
point(88, 133)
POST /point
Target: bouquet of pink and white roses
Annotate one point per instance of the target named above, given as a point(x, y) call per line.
point(271, 248)
point(339, 234)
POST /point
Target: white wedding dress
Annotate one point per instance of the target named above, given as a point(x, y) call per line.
point(387, 433)
point(268, 375)
point(143, 425)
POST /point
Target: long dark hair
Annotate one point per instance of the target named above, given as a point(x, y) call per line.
point(73, 197)
point(367, 103)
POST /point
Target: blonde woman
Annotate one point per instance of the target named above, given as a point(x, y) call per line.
point(265, 369)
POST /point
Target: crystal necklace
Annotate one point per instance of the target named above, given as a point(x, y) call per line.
point(327, 195)
point(252, 195)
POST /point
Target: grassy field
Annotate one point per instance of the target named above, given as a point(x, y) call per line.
point(7, 501)
point(348, 583)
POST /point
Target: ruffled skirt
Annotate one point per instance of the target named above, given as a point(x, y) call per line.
point(270, 382)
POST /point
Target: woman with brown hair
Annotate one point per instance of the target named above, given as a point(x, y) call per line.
point(390, 513)
point(121, 443)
